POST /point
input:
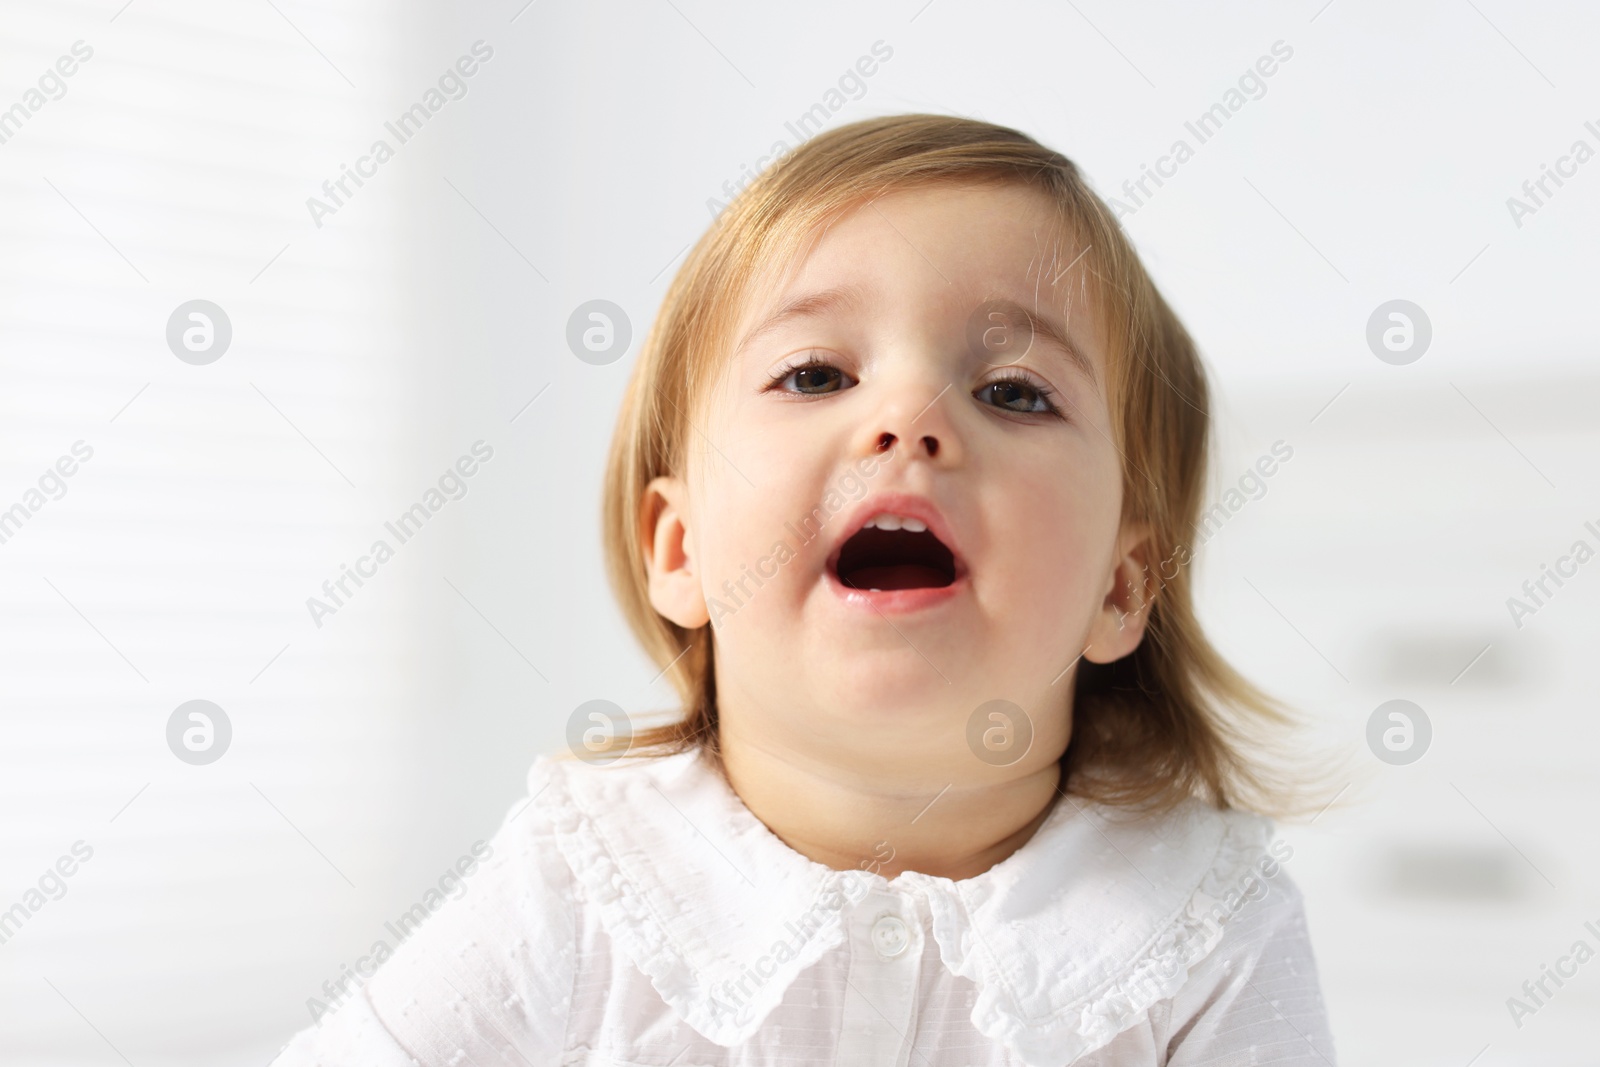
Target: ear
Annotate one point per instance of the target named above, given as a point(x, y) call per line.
point(664, 533)
point(1130, 590)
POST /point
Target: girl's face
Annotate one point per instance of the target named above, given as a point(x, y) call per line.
point(932, 357)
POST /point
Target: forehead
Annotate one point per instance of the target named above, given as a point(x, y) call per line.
point(936, 253)
point(955, 231)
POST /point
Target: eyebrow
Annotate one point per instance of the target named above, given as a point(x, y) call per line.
point(850, 296)
point(1046, 327)
point(812, 305)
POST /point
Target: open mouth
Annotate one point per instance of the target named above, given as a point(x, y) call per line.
point(881, 559)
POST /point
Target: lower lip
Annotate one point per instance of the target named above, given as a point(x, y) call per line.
point(897, 601)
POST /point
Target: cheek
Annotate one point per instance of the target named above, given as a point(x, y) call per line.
point(751, 572)
point(754, 539)
point(1052, 548)
point(1056, 537)
point(736, 505)
point(770, 511)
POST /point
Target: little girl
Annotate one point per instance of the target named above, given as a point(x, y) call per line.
point(900, 498)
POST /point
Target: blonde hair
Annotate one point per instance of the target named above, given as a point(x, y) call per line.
point(1170, 720)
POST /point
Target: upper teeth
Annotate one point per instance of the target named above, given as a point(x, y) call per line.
point(897, 522)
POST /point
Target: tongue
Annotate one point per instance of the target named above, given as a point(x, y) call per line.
point(894, 576)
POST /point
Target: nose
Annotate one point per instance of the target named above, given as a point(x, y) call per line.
point(916, 418)
point(886, 441)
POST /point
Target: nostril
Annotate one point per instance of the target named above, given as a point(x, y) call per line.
point(885, 440)
point(933, 445)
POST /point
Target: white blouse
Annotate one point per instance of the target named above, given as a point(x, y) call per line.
point(639, 915)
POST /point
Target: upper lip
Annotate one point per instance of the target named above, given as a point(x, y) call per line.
point(906, 505)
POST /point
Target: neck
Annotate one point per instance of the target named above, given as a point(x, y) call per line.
point(888, 822)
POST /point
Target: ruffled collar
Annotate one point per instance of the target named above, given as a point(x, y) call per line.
point(1070, 940)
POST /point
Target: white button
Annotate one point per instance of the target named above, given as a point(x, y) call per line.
point(889, 936)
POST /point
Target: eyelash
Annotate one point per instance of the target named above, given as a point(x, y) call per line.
point(1042, 391)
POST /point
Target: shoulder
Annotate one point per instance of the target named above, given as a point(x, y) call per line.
point(474, 973)
point(1152, 918)
point(1251, 982)
point(1217, 892)
point(495, 965)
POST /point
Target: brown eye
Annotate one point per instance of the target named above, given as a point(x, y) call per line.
point(1017, 394)
point(814, 377)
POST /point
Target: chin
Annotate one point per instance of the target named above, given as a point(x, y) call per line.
point(906, 690)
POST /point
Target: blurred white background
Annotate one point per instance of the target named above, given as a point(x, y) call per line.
point(371, 351)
